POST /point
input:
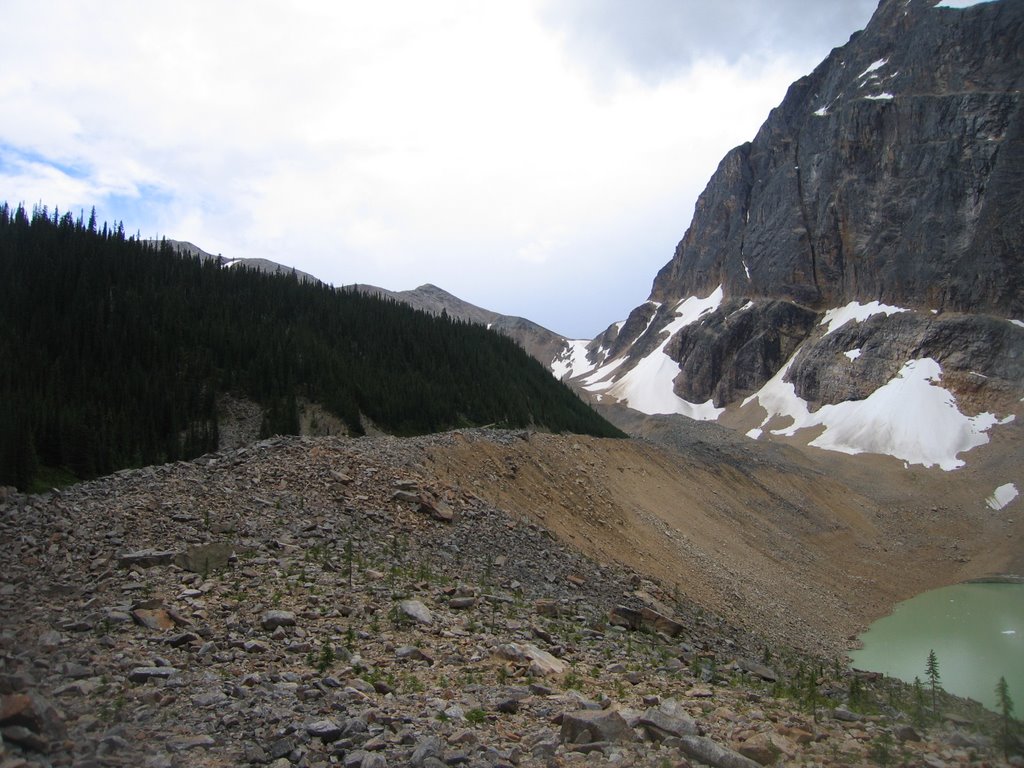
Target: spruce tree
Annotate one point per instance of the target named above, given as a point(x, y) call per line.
point(931, 671)
point(1006, 712)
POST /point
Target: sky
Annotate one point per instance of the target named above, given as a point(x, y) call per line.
point(539, 158)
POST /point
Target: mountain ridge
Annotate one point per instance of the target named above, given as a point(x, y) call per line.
point(539, 342)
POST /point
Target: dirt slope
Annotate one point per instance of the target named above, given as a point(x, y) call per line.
point(806, 549)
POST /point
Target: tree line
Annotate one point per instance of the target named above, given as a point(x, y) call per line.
point(115, 351)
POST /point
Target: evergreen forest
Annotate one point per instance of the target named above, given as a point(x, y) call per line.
point(114, 352)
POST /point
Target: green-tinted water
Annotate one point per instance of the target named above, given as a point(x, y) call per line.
point(976, 630)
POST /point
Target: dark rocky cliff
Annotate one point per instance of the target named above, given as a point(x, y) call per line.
point(894, 173)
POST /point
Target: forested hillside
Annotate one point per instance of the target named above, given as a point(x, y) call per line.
point(114, 353)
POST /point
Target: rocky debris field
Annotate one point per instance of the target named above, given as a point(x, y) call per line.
point(317, 602)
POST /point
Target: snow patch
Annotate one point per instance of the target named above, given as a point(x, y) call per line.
point(1018, 322)
point(746, 269)
point(591, 382)
point(910, 417)
point(822, 112)
point(573, 361)
point(853, 354)
point(755, 433)
point(1002, 496)
point(961, 4)
point(837, 318)
point(872, 67)
point(647, 387)
point(880, 97)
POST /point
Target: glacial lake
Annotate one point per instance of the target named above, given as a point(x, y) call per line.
point(976, 631)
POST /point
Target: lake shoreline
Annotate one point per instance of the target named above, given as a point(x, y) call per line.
point(1002, 578)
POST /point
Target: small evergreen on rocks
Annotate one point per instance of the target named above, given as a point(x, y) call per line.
point(116, 350)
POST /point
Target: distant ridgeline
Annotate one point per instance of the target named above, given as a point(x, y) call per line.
point(114, 352)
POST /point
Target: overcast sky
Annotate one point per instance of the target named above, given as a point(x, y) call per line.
point(535, 157)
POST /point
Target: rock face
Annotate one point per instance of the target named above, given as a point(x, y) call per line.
point(888, 177)
point(888, 173)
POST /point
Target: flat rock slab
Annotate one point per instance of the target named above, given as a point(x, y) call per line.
point(154, 618)
point(185, 743)
point(273, 619)
point(144, 674)
point(540, 663)
point(714, 754)
point(146, 558)
point(664, 722)
point(764, 672)
point(588, 726)
point(325, 730)
point(205, 558)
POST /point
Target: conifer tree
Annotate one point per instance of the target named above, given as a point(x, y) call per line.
point(931, 671)
point(115, 352)
point(1006, 713)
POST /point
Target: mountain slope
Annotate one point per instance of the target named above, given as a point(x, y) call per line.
point(538, 341)
point(191, 250)
point(862, 253)
point(295, 603)
point(116, 353)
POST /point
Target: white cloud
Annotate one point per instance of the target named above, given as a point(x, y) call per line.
point(394, 143)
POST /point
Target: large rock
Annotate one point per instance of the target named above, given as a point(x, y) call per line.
point(668, 719)
point(588, 726)
point(761, 749)
point(325, 730)
point(145, 674)
point(416, 611)
point(153, 618)
point(766, 673)
point(205, 558)
point(271, 620)
point(539, 662)
point(146, 558)
point(714, 754)
point(31, 721)
point(644, 619)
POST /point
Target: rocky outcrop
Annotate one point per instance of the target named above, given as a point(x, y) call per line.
point(886, 174)
point(736, 349)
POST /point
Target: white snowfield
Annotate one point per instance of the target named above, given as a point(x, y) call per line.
point(647, 387)
point(573, 362)
point(1002, 496)
point(875, 65)
point(961, 4)
point(911, 417)
point(855, 311)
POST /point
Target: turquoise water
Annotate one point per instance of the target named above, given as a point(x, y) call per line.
point(976, 631)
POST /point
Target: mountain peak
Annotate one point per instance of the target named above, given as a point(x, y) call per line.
point(865, 251)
